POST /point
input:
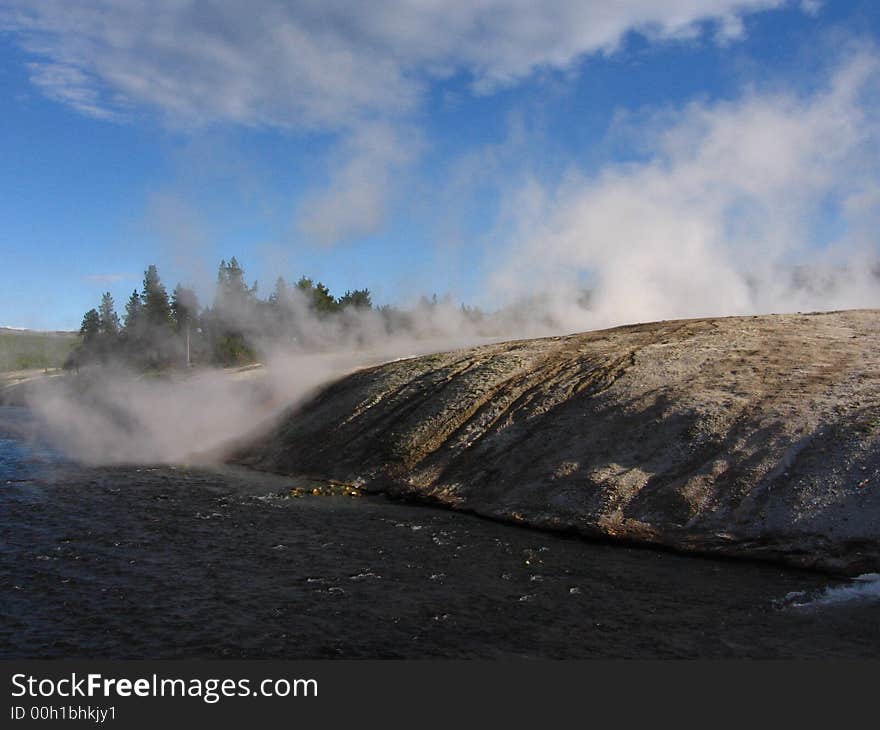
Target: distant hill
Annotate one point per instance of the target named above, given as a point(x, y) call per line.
point(22, 349)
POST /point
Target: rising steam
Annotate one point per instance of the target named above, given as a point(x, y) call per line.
point(770, 203)
point(110, 414)
point(765, 203)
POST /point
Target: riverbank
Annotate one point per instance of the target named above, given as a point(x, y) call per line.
point(163, 562)
point(754, 437)
point(16, 384)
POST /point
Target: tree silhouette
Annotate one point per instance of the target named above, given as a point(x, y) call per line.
point(109, 320)
point(233, 318)
point(90, 330)
point(358, 299)
point(157, 308)
point(134, 309)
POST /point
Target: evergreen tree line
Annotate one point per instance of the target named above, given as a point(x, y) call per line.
point(158, 332)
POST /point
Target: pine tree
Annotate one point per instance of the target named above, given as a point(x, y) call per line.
point(185, 310)
point(233, 295)
point(323, 301)
point(307, 287)
point(233, 317)
point(358, 299)
point(184, 307)
point(134, 309)
point(87, 350)
point(280, 297)
point(318, 296)
point(157, 309)
point(90, 329)
point(109, 320)
point(134, 328)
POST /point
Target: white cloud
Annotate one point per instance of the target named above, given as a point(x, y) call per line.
point(358, 198)
point(318, 64)
point(352, 68)
point(69, 85)
point(265, 63)
point(108, 278)
point(720, 216)
point(811, 7)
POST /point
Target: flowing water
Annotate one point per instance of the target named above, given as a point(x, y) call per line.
point(142, 562)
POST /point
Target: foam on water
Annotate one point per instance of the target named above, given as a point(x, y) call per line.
point(862, 587)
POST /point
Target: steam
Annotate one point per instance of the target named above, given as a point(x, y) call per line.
point(108, 414)
point(865, 587)
point(114, 416)
point(767, 203)
point(719, 217)
point(356, 202)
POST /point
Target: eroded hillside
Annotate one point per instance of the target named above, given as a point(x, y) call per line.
point(750, 436)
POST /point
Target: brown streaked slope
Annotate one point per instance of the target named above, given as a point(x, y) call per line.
point(746, 436)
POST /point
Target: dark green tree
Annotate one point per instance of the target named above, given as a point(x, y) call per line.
point(157, 308)
point(232, 292)
point(323, 301)
point(134, 328)
point(184, 307)
point(232, 319)
point(134, 309)
point(357, 299)
point(320, 299)
point(90, 330)
point(148, 336)
point(89, 349)
point(109, 320)
point(306, 287)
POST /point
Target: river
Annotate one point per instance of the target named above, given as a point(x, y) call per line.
point(174, 562)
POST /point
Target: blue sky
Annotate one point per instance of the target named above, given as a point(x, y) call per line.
point(474, 149)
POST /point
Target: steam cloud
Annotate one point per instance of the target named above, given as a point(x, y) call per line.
point(111, 415)
point(764, 202)
point(718, 219)
point(726, 215)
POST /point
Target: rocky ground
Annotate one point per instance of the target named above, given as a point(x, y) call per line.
point(743, 436)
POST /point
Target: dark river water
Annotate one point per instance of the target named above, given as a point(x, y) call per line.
point(178, 562)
